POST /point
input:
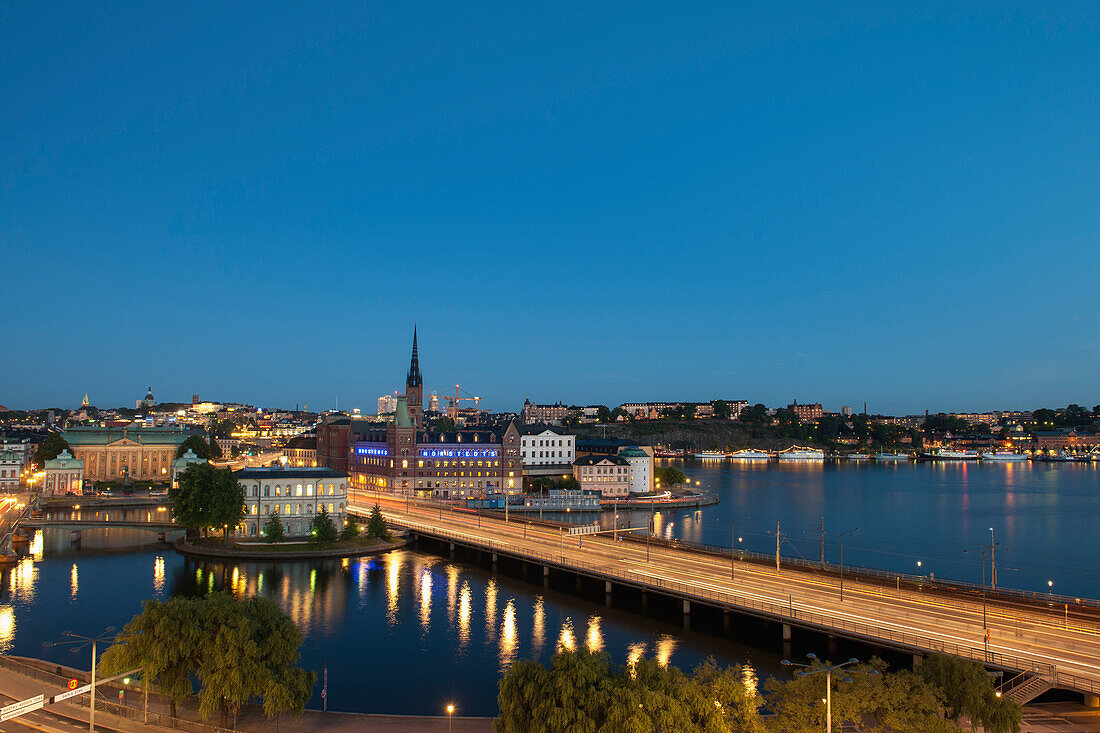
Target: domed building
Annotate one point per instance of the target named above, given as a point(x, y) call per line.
point(149, 400)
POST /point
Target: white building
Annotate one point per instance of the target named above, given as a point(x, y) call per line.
point(387, 404)
point(63, 474)
point(11, 463)
point(641, 468)
point(541, 448)
point(295, 494)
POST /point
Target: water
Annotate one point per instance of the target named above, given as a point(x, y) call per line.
point(938, 514)
point(401, 633)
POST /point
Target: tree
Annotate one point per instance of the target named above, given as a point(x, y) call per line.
point(322, 528)
point(603, 414)
point(239, 651)
point(196, 445)
point(617, 414)
point(567, 482)
point(376, 524)
point(51, 447)
point(444, 424)
point(207, 497)
point(669, 475)
point(273, 529)
point(722, 409)
point(756, 415)
point(351, 529)
point(967, 690)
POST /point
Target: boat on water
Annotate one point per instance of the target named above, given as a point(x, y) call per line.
point(950, 455)
point(886, 457)
point(1005, 457)
point(796, 453)
point(711, 455)
point(1054, 458)
point(856, 456)
point(750, 455)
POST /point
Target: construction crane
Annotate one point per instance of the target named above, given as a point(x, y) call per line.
point(452, 402)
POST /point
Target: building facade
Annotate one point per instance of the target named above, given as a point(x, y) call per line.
point(542, 449)
point(301, 452)
point(64, 474)
point(180, 465)
point(532, 413)
point(807, 413)
point(607, 474)
point(11, 465)
point(140, 454)
point(641, 468)
point(296, 495)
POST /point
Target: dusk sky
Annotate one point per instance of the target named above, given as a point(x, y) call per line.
point(897, 204)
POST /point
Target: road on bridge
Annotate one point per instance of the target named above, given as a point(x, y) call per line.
point(1018, 638)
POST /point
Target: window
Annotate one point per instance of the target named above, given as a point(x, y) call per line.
point(309, 489)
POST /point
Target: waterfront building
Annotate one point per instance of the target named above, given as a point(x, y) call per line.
point(11, 465)
point(807, 413)
point(138, 453)
point(641, 468)
point(556, 413)
point(547, 451)
point(403, 459)
point(180, 465)
point(1068, 439)
point(561, 500)
point(295, 494)
point(301, 451)
point(607, 474)
point(63, 474)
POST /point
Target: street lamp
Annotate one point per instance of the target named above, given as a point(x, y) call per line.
point(828, 681)
point(77, 644)
point(450, 716)
point(841, 534)
point(1050, 588)
point(733, 544)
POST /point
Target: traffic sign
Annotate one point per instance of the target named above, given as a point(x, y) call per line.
point(22, 707)
point(585, 529)
point(74, 683)
point(71, 693)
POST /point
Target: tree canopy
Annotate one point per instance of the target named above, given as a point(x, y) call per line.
point(669, 475)
point(51, 448)
point(967, 690)
point(197, 445)
point(207, 497)
point(322, 528)
point(376, 524)
point(239, 651)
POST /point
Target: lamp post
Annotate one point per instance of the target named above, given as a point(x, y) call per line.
point(828, 681)
point(78, 643)
point(733, 543)
point(649, 528)
point(842, 534)
point(450, 716)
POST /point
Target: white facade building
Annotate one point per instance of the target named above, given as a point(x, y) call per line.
point(547, 447)
point(63, 474)
point(11, 463)
point(641, 468)
point(295, 494)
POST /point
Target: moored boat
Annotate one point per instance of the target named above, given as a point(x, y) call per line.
point(796, 453)
point(750, 455)
point(887, 457)
point(856, 456)
point(1004, 457)
point(711, 455)
point(945, 454)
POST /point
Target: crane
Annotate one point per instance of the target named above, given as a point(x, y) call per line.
point(452, 402)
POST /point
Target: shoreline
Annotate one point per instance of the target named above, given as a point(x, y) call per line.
point(188, 549)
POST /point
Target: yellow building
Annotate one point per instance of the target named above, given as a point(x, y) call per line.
point(139, 453)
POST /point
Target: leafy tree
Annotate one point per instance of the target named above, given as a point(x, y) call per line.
point(603, 414)
point(756, 415)
point(239, 651)
point(197, 445)
point(967, 690)
point(567, 482)
point(444, 424)
point(350, 530)
point(1044, 418)
point(376, 524)
point(617, 413)
point(322, 528)
point(207, 497)
point(722, 409)
point(273, 529)
point(669, 475)
point(51, 447)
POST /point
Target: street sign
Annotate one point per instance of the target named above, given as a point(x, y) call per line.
point(71, 693)
point(585, 529)
point(74, 683)
point(23, 706)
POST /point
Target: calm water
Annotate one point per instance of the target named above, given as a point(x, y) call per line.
point(1045, 517)
point(402, 633)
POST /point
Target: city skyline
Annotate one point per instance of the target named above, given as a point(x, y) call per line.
point(588, 204)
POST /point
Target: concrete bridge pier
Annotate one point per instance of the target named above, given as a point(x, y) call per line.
point(494, 561)
point(787, 633)
point(451, 548)
point(74, 538)
point(832, 646)
point(727, 622)
point(545, 576)
point(607, 593)
point(1092, 701)
point(687, 615)
point(580, 580)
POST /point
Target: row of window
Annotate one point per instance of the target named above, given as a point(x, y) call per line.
point(294, 509)
point(288, 490)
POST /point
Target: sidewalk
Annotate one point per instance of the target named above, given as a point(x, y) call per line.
point(18, 686)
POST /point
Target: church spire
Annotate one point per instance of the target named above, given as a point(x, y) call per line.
point(414, 379)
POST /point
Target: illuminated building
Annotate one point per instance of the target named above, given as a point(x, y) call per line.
point(532, 413)
point(144, 453)
point(301, 452)
point(607, 474)
point(641, 468)
point(63, 474)
point(295, 494)
point(180, 465)
point(807, 413)
point(11, 463)
point(547, 451)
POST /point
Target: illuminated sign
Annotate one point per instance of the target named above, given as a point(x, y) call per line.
point(458, 453)
point(363, 450)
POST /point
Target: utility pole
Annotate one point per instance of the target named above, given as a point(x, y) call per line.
point(820, 529)
point(992, 560)
point(733, 543)
point(777, 538)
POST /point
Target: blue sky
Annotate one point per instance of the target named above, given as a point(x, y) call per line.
point(841, 203)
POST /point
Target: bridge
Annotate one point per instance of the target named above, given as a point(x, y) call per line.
point(1037, 647)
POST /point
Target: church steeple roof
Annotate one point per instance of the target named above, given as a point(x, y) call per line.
point(414, 379)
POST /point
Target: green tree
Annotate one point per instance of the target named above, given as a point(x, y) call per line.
point(755, 415)
point(239, 651)
point(207, 497)
point(51, 447)
point(617, 413)
point(566, 482)
point(197, 445)
point(376, 524)
point(575, 694)
point(351, 529)
point(444, 424)
point(722, 409)
point(273, 529)
point(967, 690)
point(603, 414)
point(321, 526)
point(669, 475)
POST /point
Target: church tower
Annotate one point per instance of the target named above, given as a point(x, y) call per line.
point(414, 388)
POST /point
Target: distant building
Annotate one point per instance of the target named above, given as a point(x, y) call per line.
point(845, 411)
point(147, 401)
point(295, 494)
point(648, 410)
point(546, 451)
point(11, 465)
point(1067, 439)
point(607, 474)
point(807, 413)
point(301, 452)
point(141, 453)
point(433, 404)
point(63, 474)
point(387, 403)
point(556, 413)
point(576, 500)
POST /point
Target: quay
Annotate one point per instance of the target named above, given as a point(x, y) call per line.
point(1036, 646)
